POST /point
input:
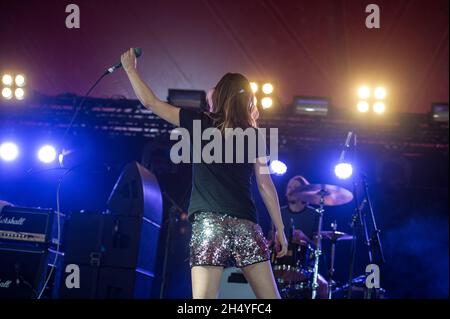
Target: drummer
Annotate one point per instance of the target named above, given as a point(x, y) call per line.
point(301, 222)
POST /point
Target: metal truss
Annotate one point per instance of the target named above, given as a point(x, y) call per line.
point(124, 117)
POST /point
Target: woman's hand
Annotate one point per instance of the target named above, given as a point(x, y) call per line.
point(281, 244)
point(128, 60)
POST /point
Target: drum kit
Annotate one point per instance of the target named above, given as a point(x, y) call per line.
point(298, 272)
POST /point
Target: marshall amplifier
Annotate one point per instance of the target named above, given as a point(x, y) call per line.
point(25, 225)
point(22, 271)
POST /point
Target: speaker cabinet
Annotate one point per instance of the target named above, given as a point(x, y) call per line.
point(116, 251)
point(22, 271)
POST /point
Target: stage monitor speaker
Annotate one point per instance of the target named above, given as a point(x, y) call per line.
point(233, 285)
point(130, 242)
point(117, 250)
point(22, 271)
point(106, 240)
point(136, 193)
point(82, 238)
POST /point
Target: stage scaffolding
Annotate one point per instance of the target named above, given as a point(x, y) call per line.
point(125, 117)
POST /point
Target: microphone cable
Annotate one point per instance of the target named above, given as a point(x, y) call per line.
point(80, 106)
point(138, 52)
point(58, 222)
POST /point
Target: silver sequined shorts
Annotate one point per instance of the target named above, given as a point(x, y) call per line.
point(223, 240)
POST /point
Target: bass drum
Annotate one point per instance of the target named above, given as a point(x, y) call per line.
point(293, 272)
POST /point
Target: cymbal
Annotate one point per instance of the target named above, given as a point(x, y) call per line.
point(334, 235)
point(332, 195)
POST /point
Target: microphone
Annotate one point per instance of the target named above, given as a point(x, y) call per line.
point(346, 146)
point(137, 52)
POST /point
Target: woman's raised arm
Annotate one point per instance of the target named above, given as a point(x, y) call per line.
point(145, 95)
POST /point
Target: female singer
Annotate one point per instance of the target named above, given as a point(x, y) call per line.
point(224, 226)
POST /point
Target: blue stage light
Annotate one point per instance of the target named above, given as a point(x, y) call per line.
point(343, 170)
point(8, 151)
point(278, 167)
point(47, 154)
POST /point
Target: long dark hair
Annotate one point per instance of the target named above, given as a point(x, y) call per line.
point(233, 103)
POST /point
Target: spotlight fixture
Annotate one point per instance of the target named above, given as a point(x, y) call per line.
point(379, 107)
point(310, 105)
point(20, 80)
point(8, 151)
point(47, 154)
point(263, 94)
point(267, 88)
point(363, 106)
point(254, 87)
point(7, 79)
point(375, 97)
point(380, 93)
point(13, 86)
point(277, 167)
point(19, 93)
point(190, 99)
point(364, 92)
point(266, 102)
point(439, 112)
point(7, 93)
point(343, 170)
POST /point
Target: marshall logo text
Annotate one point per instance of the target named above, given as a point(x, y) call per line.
point(13, 221)
point(5, 284)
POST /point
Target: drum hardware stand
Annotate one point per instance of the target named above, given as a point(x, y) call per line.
point(375, 238)
point(333, 252)
point(373, 242)
point(318, 243)
point(322, 195)
point(358, 222)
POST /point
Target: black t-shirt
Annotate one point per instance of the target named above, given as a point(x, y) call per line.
point(219, 187)
point(306, 220)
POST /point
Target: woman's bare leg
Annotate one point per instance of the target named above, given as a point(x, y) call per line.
point(206, 281)
point(260, 278)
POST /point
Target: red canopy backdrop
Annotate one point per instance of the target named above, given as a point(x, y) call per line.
point(319, 48)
